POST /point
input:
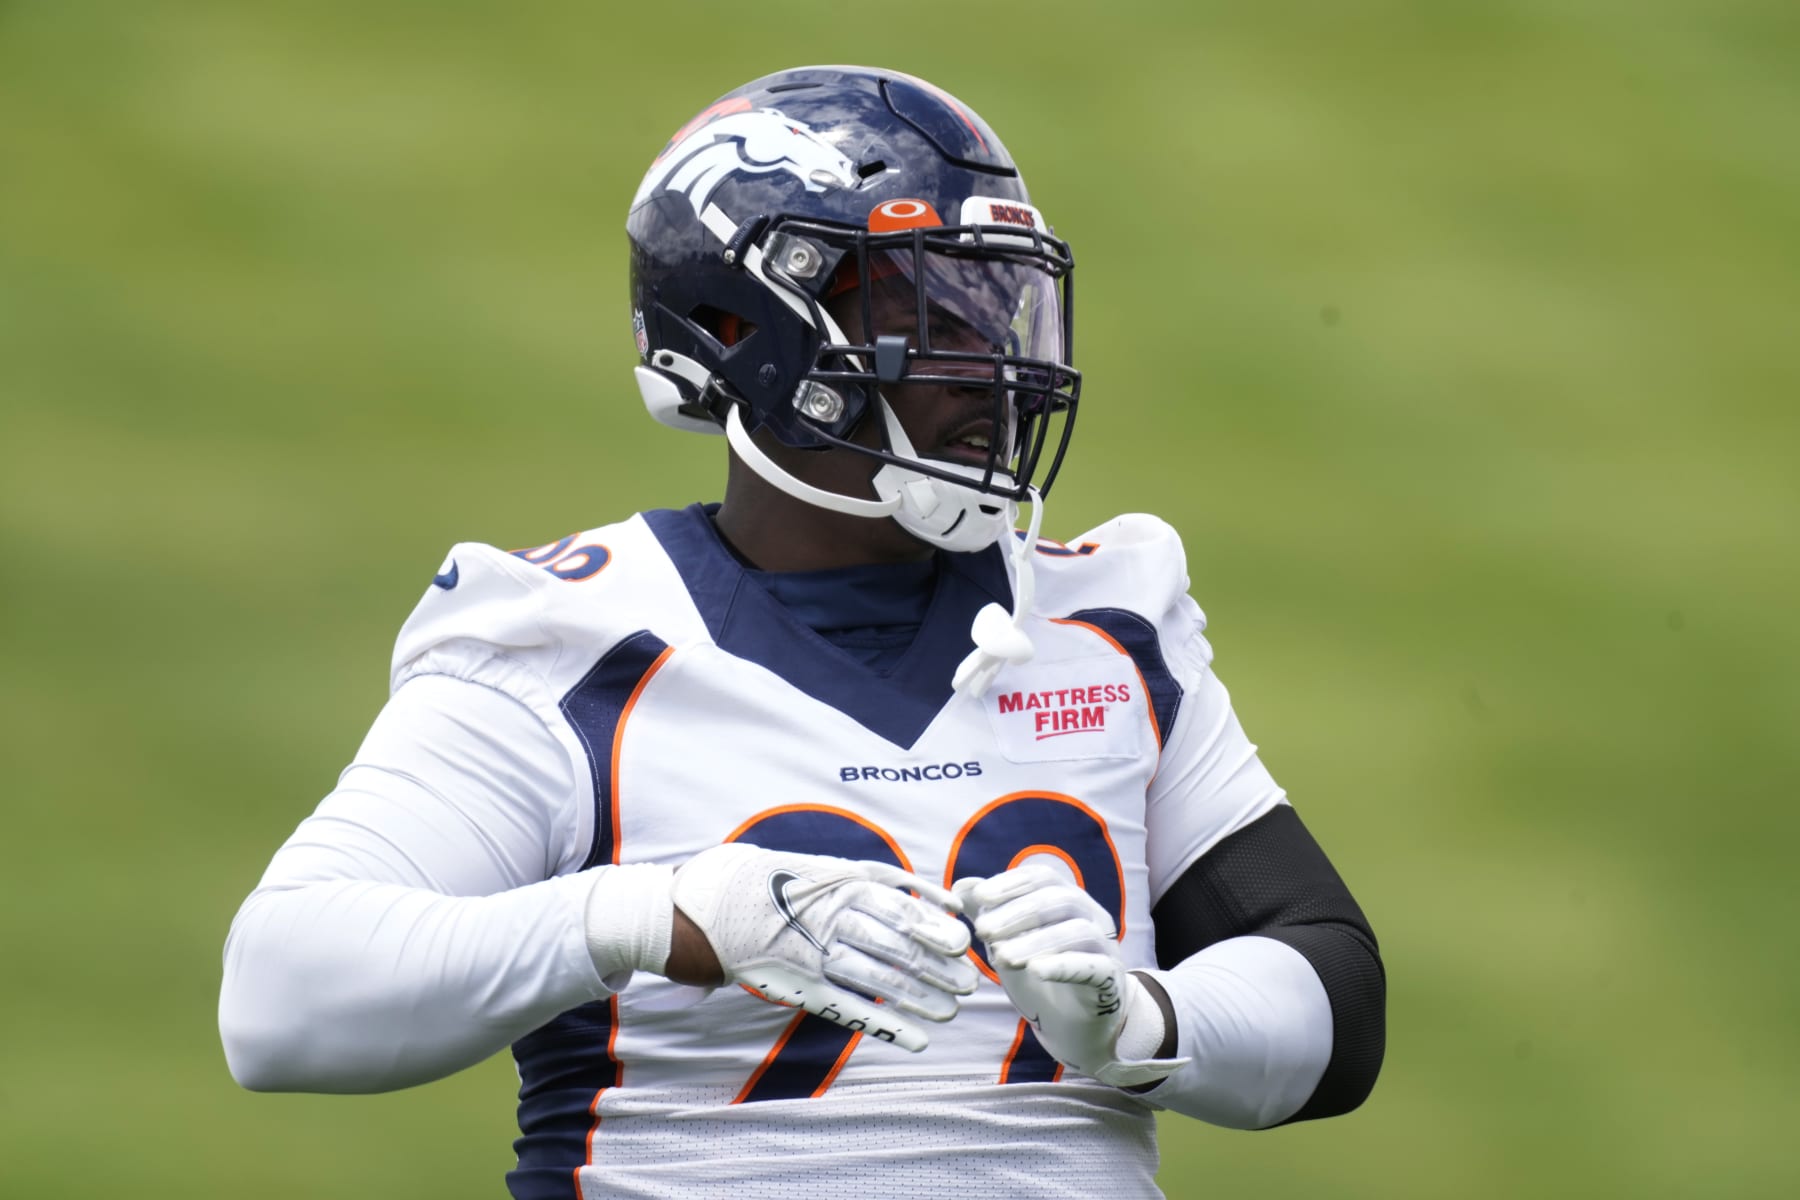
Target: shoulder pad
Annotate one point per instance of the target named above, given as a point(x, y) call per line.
point(534, 621)
point(1133, 562)
point(481, 618)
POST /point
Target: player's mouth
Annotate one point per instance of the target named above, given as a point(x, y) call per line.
point(969, 444)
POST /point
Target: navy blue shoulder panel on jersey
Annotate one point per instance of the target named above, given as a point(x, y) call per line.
point(1136, 635)
point(594, 709)
point(746, 621)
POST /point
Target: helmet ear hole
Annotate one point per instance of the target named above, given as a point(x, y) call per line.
point(725, 328)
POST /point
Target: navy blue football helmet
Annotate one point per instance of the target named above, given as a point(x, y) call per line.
point(825, 232)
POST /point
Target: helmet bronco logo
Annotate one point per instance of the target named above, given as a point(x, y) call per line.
point(756, 143)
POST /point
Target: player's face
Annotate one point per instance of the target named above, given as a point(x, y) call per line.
point(973, 309)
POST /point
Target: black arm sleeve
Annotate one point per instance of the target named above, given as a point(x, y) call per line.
point(1271, 879)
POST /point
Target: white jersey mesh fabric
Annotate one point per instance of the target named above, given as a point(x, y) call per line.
point(877, 1141)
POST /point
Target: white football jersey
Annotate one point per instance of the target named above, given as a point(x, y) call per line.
point(698, 710)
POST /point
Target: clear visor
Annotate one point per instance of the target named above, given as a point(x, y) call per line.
point(973, 306)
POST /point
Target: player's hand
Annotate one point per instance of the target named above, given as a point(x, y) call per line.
point(1053, 947)
point(831, 936)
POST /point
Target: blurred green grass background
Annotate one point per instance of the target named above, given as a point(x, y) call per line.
point(1459, 339)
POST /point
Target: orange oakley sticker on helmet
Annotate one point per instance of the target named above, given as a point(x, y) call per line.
point(891, 215)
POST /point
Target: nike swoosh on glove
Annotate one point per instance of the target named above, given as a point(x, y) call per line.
point(830, 935)
point(1053, 947)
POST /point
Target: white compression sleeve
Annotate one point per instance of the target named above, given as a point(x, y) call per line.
point(1252, 1014)
point(410, 926)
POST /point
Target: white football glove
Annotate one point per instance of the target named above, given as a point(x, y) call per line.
point(1053, 947)
point(791, 926)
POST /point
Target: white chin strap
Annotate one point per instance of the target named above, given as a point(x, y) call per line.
point(948, 515)
point(943, 514)
point(799, 489)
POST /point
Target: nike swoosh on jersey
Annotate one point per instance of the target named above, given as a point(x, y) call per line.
point(447, 580)
point(779, 882)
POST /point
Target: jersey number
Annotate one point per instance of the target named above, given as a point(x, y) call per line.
point(811, 1051)
point(563, 559)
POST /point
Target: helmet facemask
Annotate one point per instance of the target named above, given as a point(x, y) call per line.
point(979, 353)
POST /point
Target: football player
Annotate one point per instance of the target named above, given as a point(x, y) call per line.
point(838, 838)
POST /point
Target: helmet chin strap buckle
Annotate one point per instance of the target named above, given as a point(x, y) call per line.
point(946, 515)
point(921, 498)
point(664, 397)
